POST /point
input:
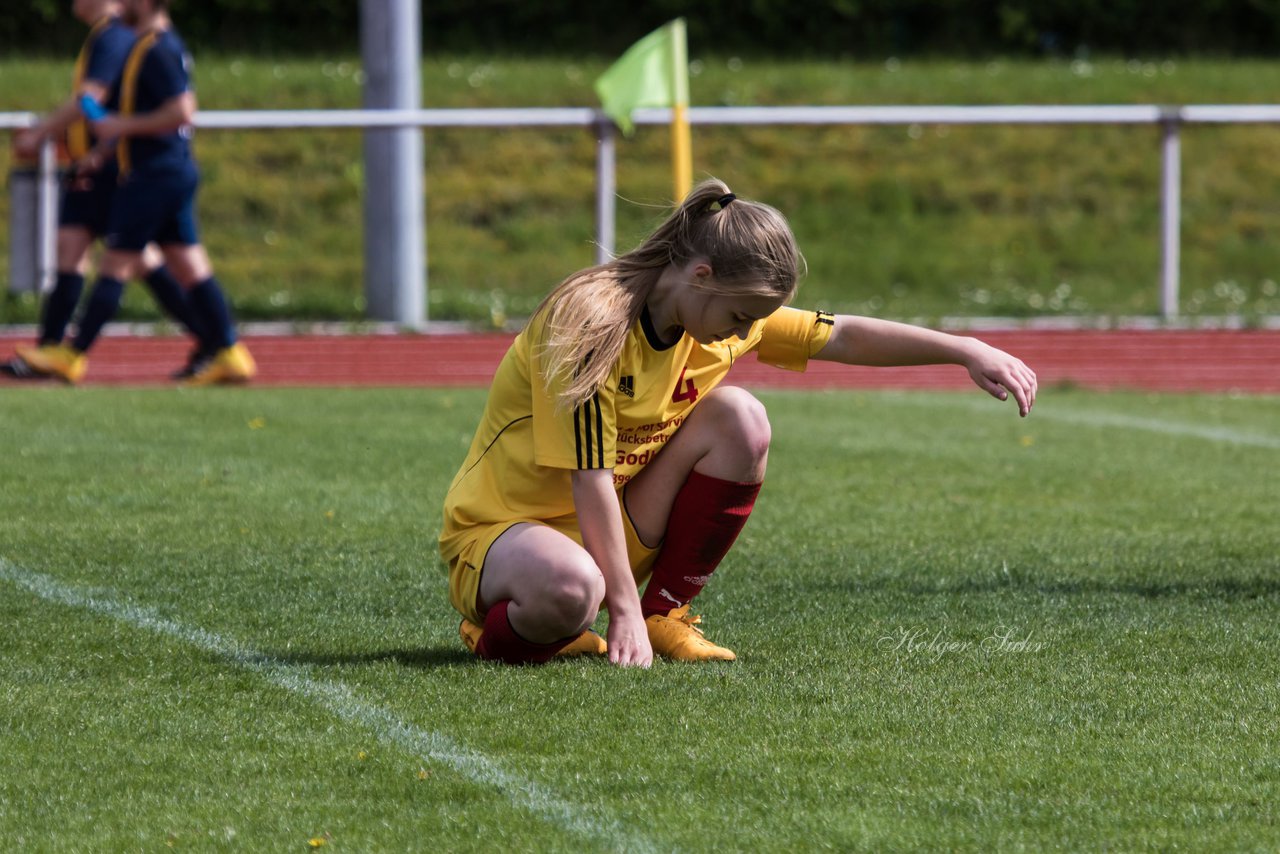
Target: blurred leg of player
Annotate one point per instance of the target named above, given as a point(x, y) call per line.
point(172, 298)
point(160, 207)
point(84, 214)
point(50, 357)
point(73, 260)
point(228, 360)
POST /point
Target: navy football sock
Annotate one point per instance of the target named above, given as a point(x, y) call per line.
point(173, 299)
point(213, 313)
point(59, 306)
point(103, 304)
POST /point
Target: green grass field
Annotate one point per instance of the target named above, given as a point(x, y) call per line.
point(226, 628)
point(909, 222)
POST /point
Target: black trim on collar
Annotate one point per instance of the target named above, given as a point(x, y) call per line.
point(651, 334)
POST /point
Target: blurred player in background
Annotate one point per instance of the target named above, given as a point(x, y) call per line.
point(150, 113)
point(608, 455)
point(86, 204)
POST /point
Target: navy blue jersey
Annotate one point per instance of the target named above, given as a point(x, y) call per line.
point(107, 53)
point(102, 60)
point(157, 70)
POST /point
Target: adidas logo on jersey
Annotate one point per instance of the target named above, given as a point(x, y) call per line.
point(627, 385)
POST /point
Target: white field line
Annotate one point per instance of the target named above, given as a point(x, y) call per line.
point(1088, 418)
point(1168, 428)
point(339, 699)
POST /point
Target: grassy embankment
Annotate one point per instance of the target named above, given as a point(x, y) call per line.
point(906, 222)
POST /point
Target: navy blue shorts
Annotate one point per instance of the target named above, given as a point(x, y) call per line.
point(86, 200)
point(154, 207)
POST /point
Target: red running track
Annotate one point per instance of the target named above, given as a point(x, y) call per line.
point(1164, 360)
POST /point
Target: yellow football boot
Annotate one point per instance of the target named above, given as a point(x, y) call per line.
point(676, 635)
point(55, 360)
point(231, 364)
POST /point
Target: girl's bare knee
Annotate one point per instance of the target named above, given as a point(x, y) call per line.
point(119, 264)
point(575, 594)
point(73, 249)
point(741, 418)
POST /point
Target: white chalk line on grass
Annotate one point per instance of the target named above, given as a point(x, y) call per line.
point(1168, 428)
point(339, 699)
point(1089, 418)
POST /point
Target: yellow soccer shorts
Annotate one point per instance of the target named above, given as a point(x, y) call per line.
point(464, 572)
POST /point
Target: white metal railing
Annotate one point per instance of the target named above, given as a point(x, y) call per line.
point(1168, 118)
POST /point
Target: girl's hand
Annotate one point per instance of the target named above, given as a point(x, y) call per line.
point(90, 163)
point(999, 375)
point(629, 641)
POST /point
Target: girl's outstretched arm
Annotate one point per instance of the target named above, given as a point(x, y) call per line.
point(600, 518)
point(884, 343)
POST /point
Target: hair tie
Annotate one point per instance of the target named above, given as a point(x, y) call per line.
point(725, 199)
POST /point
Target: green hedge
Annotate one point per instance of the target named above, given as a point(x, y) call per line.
point(813, 28)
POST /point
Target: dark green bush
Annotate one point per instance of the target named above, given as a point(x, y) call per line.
point(814, 28)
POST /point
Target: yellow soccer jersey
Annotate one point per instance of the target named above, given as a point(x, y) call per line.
point(519, 464)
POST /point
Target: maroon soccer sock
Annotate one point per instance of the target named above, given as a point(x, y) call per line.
point(706, 518)
point(501, 643)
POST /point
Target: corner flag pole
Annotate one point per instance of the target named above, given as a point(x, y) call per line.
point(681, 139)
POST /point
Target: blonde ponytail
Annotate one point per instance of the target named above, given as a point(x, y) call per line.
point(587, 317)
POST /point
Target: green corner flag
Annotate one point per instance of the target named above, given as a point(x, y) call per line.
point(650, 74)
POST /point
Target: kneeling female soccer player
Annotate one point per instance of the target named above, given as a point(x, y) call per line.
point(609, 454)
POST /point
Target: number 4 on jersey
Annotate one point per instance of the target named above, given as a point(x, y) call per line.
point(690, 392)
